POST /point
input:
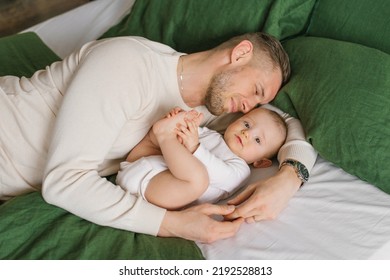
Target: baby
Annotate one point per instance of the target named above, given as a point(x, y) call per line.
point(178, 162)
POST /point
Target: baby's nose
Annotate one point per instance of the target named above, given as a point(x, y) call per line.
point(244, 132)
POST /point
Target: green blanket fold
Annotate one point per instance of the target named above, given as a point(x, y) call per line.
point(32, 229)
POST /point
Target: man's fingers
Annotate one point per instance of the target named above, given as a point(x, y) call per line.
point(247, 206)
point(249, 209)
point(255, 218)
point(241, 197)
point(224, 229)
point(212, 209)
point(230, 228)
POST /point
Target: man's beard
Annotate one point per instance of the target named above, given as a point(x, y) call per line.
point(214, 100)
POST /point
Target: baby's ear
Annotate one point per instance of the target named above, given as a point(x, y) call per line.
point(263, 163)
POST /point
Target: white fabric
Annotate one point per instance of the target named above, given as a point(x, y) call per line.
point(70, 31)
point(334, 216)
point(227, 172)
point(135, 176)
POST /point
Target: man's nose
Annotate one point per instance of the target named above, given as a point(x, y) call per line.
point(249, 104)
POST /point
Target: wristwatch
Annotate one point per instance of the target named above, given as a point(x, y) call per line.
point(299, 168)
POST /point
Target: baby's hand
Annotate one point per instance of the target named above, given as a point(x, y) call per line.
point(173, 113)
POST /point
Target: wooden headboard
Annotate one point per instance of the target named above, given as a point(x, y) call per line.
point(17, 15)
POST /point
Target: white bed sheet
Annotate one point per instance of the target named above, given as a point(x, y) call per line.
point(334, 216)
point(71, 30)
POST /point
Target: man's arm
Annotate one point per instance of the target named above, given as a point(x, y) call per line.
point(92, 114)
point(296, 147)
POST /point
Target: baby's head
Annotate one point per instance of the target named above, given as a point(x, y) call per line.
point(257, 136)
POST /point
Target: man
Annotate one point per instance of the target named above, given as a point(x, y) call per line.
point(73, 122)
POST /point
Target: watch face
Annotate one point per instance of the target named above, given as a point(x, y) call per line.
point(302, 169)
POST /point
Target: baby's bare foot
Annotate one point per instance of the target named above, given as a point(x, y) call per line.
point(168, 125)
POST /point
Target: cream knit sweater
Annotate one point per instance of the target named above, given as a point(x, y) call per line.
point(72, 123)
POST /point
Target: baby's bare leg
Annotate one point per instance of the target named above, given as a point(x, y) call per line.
point(186, 178)
point(146, 147)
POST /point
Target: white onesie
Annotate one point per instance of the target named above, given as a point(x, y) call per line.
point(227, 172)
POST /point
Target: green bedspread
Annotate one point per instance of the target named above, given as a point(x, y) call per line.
point(32, 229)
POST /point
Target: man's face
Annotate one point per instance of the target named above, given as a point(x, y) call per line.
point(241, 89)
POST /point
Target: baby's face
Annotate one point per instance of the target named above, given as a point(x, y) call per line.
point(254, 136)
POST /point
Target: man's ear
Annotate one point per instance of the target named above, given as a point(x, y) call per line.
point(243, 50)
point(263, 163)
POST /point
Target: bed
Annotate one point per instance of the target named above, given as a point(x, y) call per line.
point(343, 212)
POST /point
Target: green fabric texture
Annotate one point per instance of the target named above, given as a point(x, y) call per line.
point(22, 54)
point(358, 21)
point(196, 25)
point(192, 25)
point(340, 92)
point(32, 229)
point(288, 19)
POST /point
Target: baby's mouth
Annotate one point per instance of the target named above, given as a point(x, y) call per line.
point(239, 140)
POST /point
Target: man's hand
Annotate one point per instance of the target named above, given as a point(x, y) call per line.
point(265, 199)
point(196, 223)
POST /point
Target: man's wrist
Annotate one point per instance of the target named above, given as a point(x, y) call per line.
point(167, 227)
point(290, 176)
point(163, 230)
point(300, 170)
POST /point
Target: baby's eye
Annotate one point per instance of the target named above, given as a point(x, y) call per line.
point(257, 139)
point(246, 124)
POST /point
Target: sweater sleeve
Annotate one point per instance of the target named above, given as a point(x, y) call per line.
point(95, 108)
point(295, 147)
